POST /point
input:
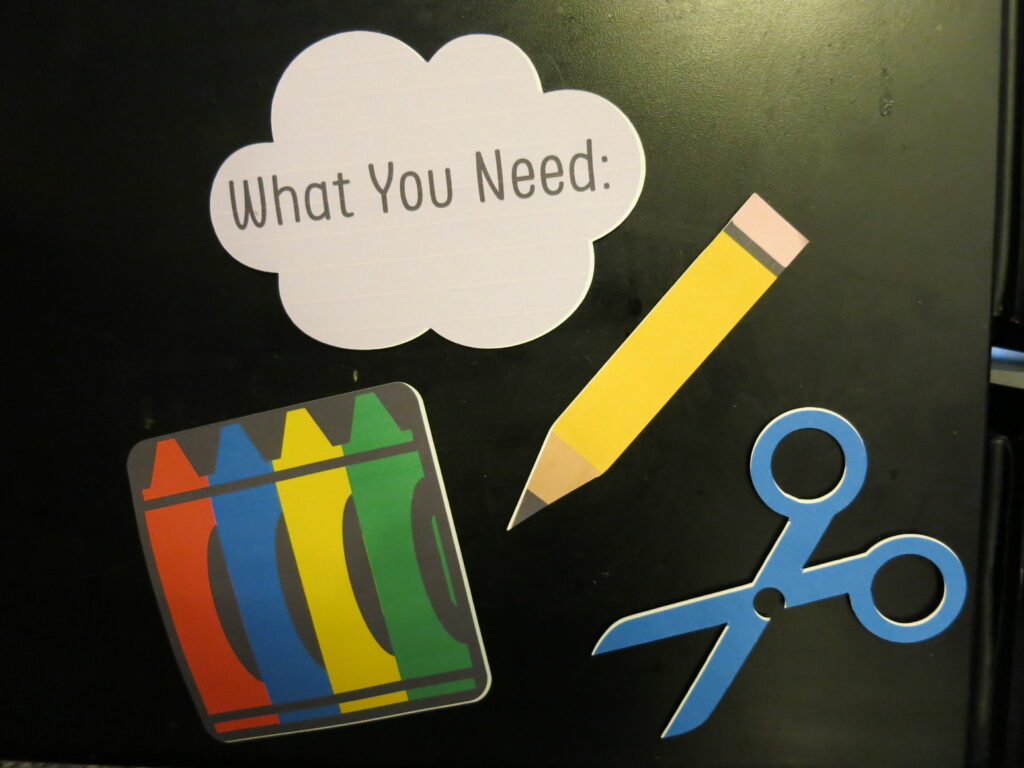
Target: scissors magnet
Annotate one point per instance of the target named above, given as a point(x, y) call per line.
point(785, 570)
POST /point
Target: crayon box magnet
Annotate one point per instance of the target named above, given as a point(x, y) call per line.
point(306, 565)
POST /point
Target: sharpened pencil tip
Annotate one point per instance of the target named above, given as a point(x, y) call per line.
point(529, 505)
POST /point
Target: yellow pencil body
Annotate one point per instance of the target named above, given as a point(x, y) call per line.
point(673, 340)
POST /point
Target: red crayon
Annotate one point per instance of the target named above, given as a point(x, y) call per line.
point(179, 535)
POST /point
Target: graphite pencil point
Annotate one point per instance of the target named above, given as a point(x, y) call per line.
point(529, 505)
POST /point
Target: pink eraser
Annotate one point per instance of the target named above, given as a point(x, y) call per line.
point(762, 224)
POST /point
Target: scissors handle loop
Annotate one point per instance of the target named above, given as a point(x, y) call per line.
point(855, 464)
point(954, 588)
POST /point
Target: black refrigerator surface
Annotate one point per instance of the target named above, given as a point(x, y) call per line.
point(871, 127)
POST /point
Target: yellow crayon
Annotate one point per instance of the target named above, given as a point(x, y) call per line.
point(678, 334)
point(313, 505)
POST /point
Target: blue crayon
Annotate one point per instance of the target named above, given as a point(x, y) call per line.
point(247, 522)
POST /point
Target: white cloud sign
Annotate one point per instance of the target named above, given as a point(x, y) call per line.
point(400, 194)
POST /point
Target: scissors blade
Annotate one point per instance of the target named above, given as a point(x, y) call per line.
point(677, 619)
point(720, 668)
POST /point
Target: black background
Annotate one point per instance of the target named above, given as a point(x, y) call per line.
point(870, 125)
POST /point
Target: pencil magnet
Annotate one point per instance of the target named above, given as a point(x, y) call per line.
point(675, 338)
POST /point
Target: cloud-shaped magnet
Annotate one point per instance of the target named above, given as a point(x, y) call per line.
point(400, 194)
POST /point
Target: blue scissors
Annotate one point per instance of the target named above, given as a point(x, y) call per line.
point(785, 569)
